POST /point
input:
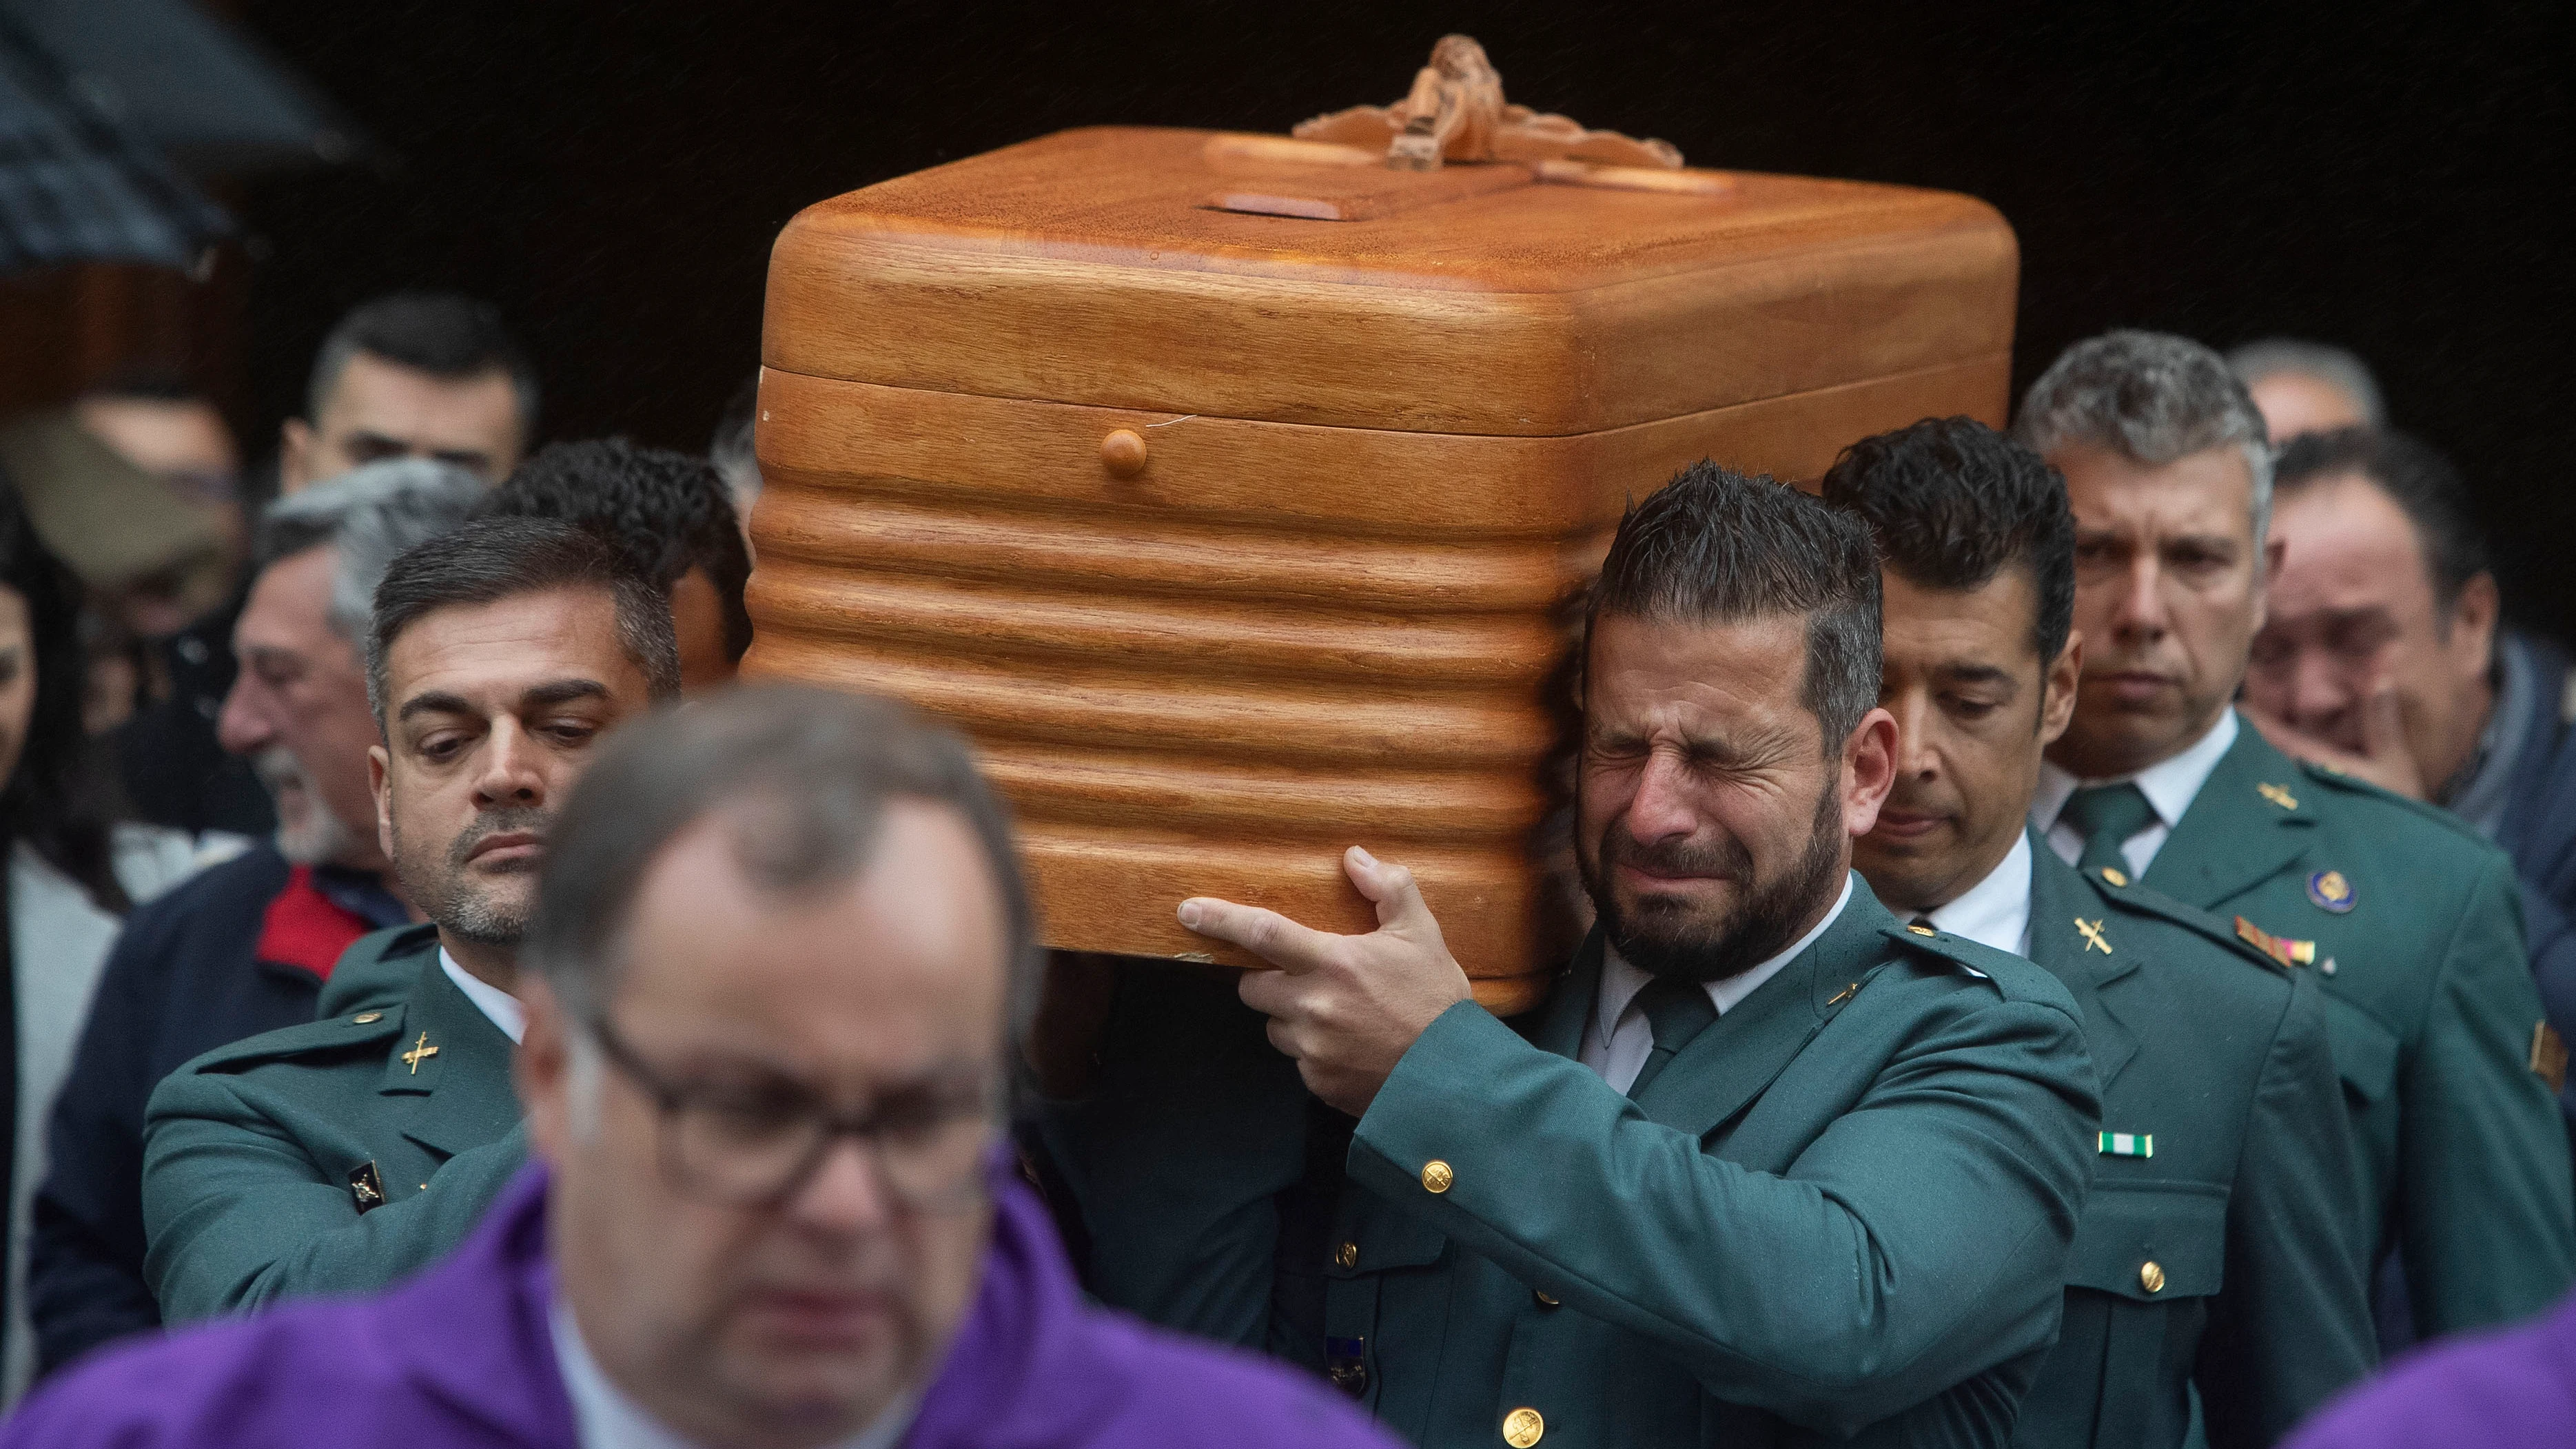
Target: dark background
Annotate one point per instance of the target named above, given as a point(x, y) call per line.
point(612, 174)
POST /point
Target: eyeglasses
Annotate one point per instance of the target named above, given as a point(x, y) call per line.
point(757, 1145)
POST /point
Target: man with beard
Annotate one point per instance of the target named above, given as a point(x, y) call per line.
point(1768, 1166)
point(342, 1154)
point(2410, 921)
point(243, 947)
point(2218, 1226)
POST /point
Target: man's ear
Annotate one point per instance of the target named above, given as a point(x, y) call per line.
point(379, 767)
point(2057, 687)
point(1868, 770)
point(2475, 615)
point(542, 1069)
point(294, 455)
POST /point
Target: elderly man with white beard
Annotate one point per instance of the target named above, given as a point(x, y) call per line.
point(245, 947)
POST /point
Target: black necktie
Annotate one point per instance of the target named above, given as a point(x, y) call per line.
point(1677, 1010)
point(2106, 816)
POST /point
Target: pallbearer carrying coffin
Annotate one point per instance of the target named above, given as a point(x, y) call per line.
point(1768, 1166)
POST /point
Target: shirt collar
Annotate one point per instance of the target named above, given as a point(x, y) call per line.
point(2481, 790)
point(495, 1003)
point(1620, 982)
point(1995, 911)
point(2169, 784)
point(607, 1419)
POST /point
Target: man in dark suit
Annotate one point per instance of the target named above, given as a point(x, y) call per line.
point(2218, 1227)
point(2411, 921)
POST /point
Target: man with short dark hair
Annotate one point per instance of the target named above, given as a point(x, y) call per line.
point(2218, 1225)
point(1767, 1166)
point(2409, 919)
point(342, 1154)
point(418, 375)
point(771, 923)
point(243, 947)
point(670, 512)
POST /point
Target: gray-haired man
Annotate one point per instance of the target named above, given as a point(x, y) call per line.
point(2411, 921)
point(244, 947)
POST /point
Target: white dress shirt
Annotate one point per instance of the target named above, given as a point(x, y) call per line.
point(1618, 1050)
point(491, 1000)
point(1995, 911)
point(2169, 786)
point(605, 1418)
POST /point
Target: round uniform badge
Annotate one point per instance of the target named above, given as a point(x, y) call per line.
point(2331, 891)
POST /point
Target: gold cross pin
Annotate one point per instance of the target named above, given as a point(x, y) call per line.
point(2092, 933)
point(2279, 795)
point(422, 1048)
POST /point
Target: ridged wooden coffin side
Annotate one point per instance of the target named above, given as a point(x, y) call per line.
point(1273, 641)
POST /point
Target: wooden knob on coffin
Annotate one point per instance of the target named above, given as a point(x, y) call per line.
point(1123, 452)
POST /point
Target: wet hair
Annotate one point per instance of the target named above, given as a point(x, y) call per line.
point(445, 334)
point(370, 515)
point(1953, 503)
point(493, 559)
point(804, 774)
point(669, 512)
point(2152, 398)
point(2417, 478)
point(59, 801)
point(2343, 371)
point(1715, 547)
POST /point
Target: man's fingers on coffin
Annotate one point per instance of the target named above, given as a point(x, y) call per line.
point(1265, 933)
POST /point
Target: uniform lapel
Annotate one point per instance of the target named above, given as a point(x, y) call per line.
point(2059, 899)
point(451, 1055)
point(1739, 1054)
point(1569, 1011)
point(2238, 831)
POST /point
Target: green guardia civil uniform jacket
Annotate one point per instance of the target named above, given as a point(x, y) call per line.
point(330, 1158)
point(2413, 926)
point(1843, 1209)
point(2217, 1247)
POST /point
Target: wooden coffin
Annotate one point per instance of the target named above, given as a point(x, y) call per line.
point(1236, 537)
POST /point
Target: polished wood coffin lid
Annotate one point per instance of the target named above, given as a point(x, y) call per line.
point(1235, 538)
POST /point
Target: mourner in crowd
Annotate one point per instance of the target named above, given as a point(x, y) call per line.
point(2307, 387)
point(673, 516)
point(2218, 1227)
point(245, 946)
point(1767, 1164)
point(417, 375)
point(778, 963)
point(2409, 920)
point(2383, 653)
point(302, 1160)
point(70, 874)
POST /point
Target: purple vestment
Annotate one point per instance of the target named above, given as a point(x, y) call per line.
point(460, 1356)
point(2510, 1390)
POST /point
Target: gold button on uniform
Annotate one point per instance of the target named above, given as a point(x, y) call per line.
point(1348, 1255)
point(1436, 1177)
point(2112, 874)
point(366, 1018)
point(1923, 930)
point(1545, 1298)
point(1522, 1428)
point(2151, 1277)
